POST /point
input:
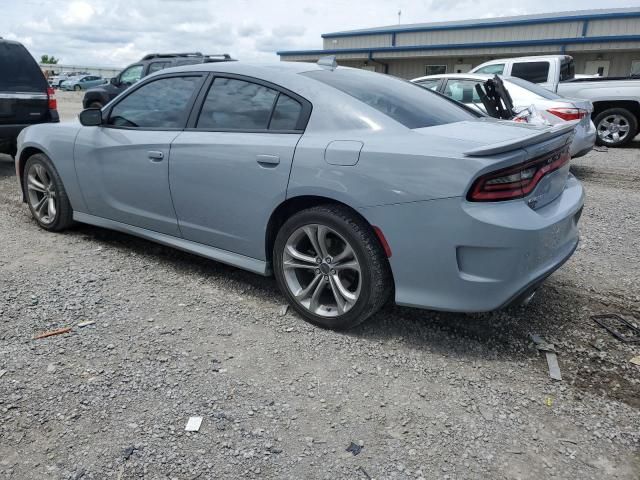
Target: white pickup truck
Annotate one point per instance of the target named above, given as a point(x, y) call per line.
point(616, 101)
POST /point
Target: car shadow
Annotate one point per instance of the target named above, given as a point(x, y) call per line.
point(503, 334)
point(7, 167)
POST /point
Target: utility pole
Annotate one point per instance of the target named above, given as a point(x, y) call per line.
point(399, 16)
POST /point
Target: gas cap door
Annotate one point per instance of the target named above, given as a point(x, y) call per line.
point(343, 152)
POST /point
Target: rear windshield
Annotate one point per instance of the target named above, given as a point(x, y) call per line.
point(405, 102)
point(19, 72)
point(532, 87)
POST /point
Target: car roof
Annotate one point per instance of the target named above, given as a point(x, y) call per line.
point(474, 76)
point(248, 68)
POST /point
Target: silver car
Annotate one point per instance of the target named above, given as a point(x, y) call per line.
point(82, 82)
point(553, 108)
point(352, 187)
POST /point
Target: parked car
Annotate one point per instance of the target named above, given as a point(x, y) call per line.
point(616, 101)
point(351, 186)
point(25, 96)
point(553, 108)
point(82, 82)
point(154, 62)
point(56, 80)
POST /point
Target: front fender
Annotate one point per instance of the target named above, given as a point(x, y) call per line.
point(56, 141)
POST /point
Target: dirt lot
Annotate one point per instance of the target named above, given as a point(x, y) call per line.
point(428, 395)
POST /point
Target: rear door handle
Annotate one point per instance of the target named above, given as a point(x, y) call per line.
point(155, 155)
point(268, 161)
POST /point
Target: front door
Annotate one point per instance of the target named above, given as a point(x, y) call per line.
point(230, 171)
point(123, 165)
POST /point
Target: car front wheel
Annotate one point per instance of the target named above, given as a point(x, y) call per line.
point(46, 196)
point(331, 267)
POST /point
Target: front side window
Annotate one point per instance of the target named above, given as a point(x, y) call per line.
point(162, 103)
point(404, 102)
point(157, 66)
point(237, 105)
point(429, 84)
point(462, 91)
point(131, 75)
point(534, 72)
point(493, 69)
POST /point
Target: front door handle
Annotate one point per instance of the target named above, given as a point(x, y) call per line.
point(268, 161)
point(155, 155)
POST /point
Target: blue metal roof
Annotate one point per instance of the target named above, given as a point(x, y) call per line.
point(601, 14)
point(514, 43)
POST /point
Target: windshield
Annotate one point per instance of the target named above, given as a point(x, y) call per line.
point(532, 87)
point(405, 102)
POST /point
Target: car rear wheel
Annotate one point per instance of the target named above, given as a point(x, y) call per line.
point(95, 105)
point(331, 267)
point(616, 127)
point(46, 196)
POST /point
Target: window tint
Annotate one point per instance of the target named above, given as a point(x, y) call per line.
point(567, 69)
point(494, 69)
point(19, 71)
point(286, 114)
point(429, 84)
point(462, 91)
point(237, 105)
point(131, 75)
point(162, 103)
point(157, 66)
point(535, 72)
point(405, 102)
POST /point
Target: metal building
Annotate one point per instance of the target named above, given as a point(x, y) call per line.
point(600, 41)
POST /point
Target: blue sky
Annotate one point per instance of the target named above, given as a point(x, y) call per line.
point(118, 32)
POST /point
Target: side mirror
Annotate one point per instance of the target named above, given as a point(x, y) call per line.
point(91, 117)
point(115, 82)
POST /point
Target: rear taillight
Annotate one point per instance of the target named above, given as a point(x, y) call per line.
point(51, 95)
point(518, 181)
point(569, 114)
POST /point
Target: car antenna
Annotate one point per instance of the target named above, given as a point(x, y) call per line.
point(328, 62)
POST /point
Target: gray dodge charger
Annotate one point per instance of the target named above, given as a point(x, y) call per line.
point(352, 188)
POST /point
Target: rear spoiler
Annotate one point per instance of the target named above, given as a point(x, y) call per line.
point(538, 136)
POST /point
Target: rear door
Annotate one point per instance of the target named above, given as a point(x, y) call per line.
point(230, 168)
point(123, 165)
point(23, 88)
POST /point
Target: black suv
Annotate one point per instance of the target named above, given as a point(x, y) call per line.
point(98, 97)
point(25, 95)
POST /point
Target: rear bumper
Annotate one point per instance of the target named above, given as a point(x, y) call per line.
point(454, 255)
point(583, 141)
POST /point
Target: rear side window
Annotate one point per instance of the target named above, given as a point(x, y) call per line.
point(237, 105)
point(285, 114)
point(567, 69)
point(429, 84)
point(493, 69)
point(534, 72)
point(19, 72)
point(409, 104)
point(162, 103)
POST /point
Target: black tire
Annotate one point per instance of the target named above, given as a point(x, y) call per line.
point(629, 118)
point(77, 88)
point(376, 280)
point(95, 104)
point(63, 218)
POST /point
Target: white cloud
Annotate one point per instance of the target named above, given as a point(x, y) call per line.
point(78, 13)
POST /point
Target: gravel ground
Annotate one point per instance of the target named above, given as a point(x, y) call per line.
point(426, 395)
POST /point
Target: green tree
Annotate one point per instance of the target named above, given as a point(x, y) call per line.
point(50, 60)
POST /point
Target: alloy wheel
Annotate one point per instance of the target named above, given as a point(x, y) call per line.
point(41, 193)
point(613, 129)
point(321, 270)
